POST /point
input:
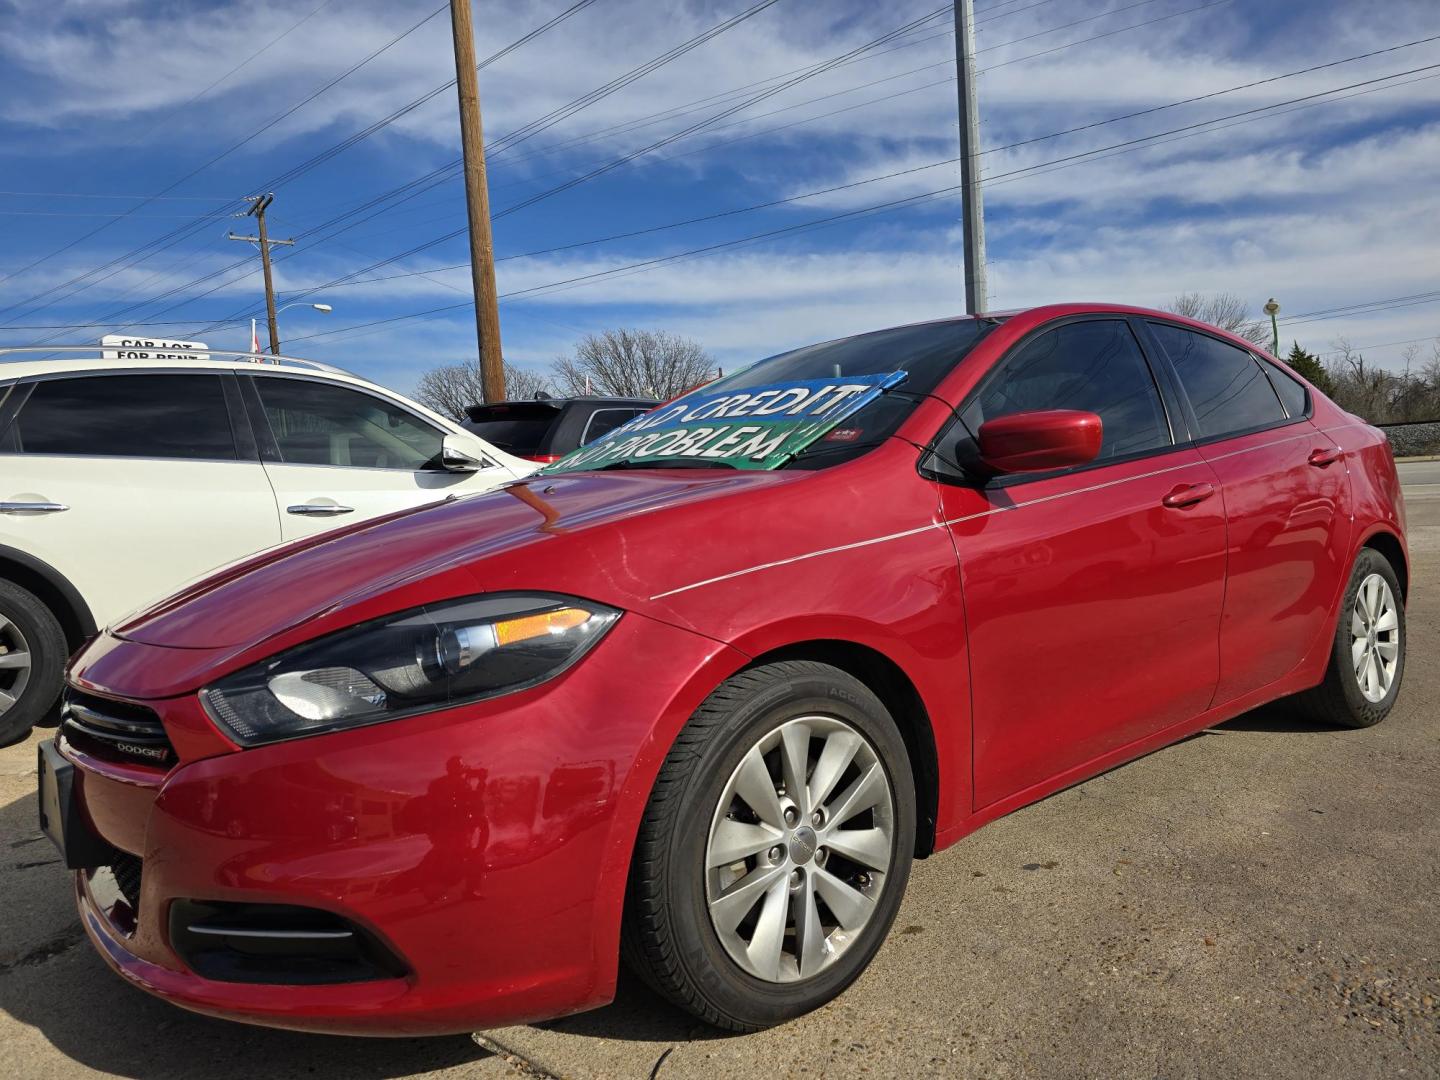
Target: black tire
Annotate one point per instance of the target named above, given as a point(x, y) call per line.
point(45, 642)
point(1339, 699)
point(668, 937)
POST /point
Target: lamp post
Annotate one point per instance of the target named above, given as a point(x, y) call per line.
point(322, 308)
point(1272, 309)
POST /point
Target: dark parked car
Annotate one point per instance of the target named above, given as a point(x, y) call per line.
point(547, 429)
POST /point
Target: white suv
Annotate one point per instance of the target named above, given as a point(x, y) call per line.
point(122, 480)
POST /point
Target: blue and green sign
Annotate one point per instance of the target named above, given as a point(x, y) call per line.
point(758, 427)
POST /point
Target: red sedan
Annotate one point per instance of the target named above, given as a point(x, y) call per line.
point(700, 692)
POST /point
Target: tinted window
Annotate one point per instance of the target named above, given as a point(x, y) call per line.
point(518, 427)
point(1292, 393)
point(153, 416)
point(320, 424)
point(604, 421)
point(1094, 366)
point(1226, 388)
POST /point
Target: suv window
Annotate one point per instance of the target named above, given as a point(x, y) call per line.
point(149, 416)
point(604, 421)
point(315, 423)
point(1228, 391)
point(1096, 366)
point(517, 427)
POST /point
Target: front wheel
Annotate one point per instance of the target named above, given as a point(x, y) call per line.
point(775, 850)
point(1367, 659)
point(32, 658)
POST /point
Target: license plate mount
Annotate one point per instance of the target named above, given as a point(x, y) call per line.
point(61, 818)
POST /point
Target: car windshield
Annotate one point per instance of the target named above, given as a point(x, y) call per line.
point(873, 381)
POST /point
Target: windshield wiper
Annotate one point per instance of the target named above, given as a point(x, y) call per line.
point(666, 463)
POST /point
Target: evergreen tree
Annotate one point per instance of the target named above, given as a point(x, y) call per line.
point(1308, 367)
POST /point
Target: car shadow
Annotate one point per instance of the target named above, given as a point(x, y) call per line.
point(55, 983)
point(1279, 717)
point(637, 1014)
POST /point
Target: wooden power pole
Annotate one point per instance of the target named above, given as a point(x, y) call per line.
point(477, 199)
point(972, 206)
point(258, 205)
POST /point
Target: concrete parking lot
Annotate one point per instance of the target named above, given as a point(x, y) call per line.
point(1260, 900)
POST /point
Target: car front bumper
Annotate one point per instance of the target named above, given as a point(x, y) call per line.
point(484, 848)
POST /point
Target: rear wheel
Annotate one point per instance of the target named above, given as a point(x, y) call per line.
point(32, 655)
point(775, 850)
point(1367, 661)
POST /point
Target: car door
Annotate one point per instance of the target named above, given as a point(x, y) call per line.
point(131, 483)
point(1283, 485)
point(1092, 595)
point(337, 453)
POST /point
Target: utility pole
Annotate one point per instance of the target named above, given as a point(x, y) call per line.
point(972, 204)
point(258, 205)
point(477, 199)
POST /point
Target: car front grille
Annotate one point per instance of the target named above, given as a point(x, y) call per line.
point(125, 869)
point(115, 730)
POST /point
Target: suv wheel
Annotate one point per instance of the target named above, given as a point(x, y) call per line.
point(32, 656)
point(775, 850)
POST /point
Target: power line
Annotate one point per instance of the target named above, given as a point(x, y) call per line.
point(227, 152)
point(1212, 3)
point(435, 177)
point(595, 95)
point(524, 203)
point(919, 168)
point(1366, 308)
point(573, 9)
point(1127, 145)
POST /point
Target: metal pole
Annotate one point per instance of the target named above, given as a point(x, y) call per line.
point(1272, 309)
point(971, 202)
point(477, 198)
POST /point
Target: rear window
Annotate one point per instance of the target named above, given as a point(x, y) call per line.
point(517, 428)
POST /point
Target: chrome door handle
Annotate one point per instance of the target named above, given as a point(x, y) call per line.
point(32, 507)
point(319, 509)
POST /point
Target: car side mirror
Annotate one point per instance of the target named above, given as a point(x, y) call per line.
point(1040, 440)
point(457, 456)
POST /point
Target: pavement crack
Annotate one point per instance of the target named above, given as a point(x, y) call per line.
point(519, 1061)
point(661, 1061)
point(47, 950)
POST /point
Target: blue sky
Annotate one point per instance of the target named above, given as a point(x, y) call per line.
point(1329, 202)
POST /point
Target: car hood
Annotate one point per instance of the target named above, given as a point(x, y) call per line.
point(581, 533)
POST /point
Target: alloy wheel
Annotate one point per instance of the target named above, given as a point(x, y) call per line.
point(15, 664)
point(1374, 637)
point(799, 848)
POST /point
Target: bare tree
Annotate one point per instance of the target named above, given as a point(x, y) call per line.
point(1226, 310)
point(634, 363)
point(1386, 397)
point(448, 389)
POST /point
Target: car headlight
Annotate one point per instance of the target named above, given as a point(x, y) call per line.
point(414, 661)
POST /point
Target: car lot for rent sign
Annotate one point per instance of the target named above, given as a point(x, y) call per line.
point(758, 427)
point(119, 347)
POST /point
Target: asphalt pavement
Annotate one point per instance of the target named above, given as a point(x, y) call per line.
point(1261, 900)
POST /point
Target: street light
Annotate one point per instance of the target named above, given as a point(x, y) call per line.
point(324, 309)
point(1272, 309)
